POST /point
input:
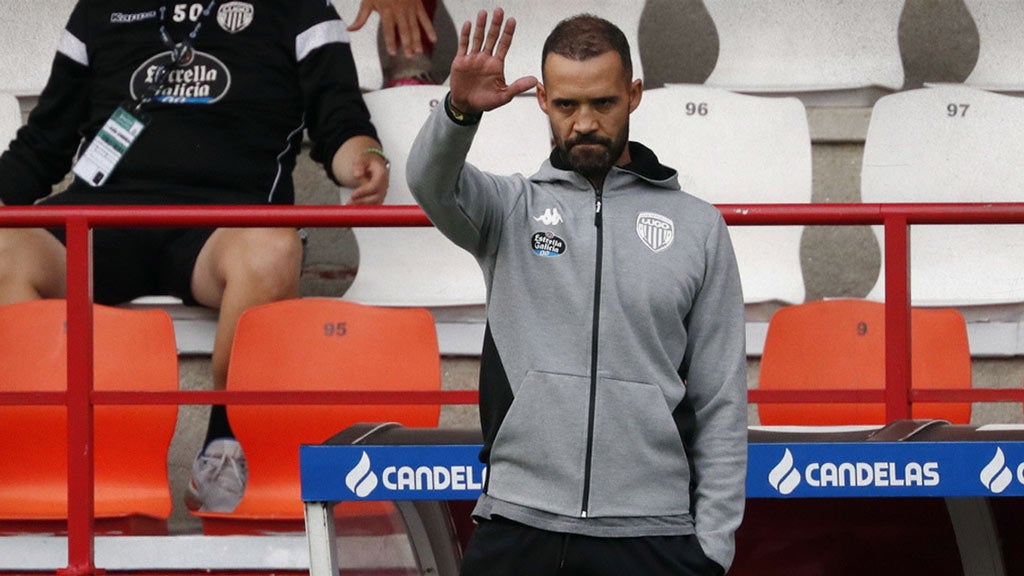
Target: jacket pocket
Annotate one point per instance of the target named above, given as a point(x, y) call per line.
point(538, 455)
point(639, 463)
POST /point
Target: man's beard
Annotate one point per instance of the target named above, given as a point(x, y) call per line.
point(592, 161)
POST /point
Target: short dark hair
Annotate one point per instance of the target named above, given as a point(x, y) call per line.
point(587, 36)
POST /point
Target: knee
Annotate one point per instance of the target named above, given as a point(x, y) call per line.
point(273, 259)
point(31, 265)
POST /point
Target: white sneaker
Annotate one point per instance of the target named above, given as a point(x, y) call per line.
point(219, 474)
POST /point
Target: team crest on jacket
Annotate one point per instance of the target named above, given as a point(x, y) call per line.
point(235, 16)
point(655, 230)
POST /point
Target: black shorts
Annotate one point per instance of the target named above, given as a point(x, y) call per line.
point(133, 262)
point(501, 547)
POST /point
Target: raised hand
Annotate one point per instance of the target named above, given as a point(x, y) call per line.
point(477, 79)
point(400, 24)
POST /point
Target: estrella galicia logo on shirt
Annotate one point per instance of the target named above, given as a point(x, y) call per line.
point(547, 244)
point(204, 80)
point(656, 231)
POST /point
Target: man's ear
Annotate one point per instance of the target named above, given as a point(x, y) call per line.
point(636, 92)
point(542, 97)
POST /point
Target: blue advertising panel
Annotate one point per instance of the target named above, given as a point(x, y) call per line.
point(870, 469)
point(342, 473)
point(791, 470)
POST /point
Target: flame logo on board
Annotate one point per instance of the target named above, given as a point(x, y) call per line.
point(784, 477)
point(361, 480)
point(995, 475)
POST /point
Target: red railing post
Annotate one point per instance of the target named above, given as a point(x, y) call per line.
point(897, 317)
point(81, 498)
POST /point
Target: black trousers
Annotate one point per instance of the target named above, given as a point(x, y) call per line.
point(500, 547)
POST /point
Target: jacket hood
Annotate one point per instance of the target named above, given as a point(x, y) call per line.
point(643, 164)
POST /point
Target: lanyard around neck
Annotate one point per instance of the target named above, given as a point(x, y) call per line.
point(181, 52)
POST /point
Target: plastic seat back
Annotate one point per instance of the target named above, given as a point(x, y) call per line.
point(364, 44)
point(10, 119)
point(419, 266)
point(535, 20)
point(133, 350)
point(951, 143)
point(29, 35)
point(829, 52)
point(840, 344)
point(999, 66)
point(319, 344)
point(735, 148)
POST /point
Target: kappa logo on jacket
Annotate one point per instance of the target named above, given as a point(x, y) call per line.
point(656, 231)
point(550, 217)
point(123, 18)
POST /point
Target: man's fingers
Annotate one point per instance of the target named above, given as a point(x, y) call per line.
point(426, 24)
point(361, 17)
point(521, 85)
point(387, 28)
point(409, 33)
point(492, 34)
point(505, 42)
point(373, 187)
point(464, 39)
point(478, 33)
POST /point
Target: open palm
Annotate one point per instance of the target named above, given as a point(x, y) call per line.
point(477, 78)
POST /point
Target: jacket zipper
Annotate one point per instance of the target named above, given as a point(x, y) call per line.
point(598, 224)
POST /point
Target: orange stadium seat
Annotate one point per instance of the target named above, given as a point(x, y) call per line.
point(841, 344)
point(319, 344)
point(134, 350)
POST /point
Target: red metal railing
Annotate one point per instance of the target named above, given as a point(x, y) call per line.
point(80, 398)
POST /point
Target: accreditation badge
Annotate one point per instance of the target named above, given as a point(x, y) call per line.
point(111, 143)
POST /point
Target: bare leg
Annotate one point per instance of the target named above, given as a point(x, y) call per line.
point(239, 268)
point(32, 265)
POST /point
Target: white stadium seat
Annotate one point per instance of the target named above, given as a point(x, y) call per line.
point(1000, 64)
point(829, 52)
point(364, 45)
point(952, 143)
point(738, 149)
point(419, 266)
point(535, 20)
point(29, 33)
point(10, 119)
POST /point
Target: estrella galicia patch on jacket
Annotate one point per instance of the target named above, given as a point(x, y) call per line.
point(204, 80)
point(547, 244)
point(655, 231)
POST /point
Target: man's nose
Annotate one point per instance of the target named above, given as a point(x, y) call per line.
point(586, 121)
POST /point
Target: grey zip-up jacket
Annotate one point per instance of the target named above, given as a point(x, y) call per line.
point(613, 373)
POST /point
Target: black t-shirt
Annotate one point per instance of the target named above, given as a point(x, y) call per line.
point(224, 128)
